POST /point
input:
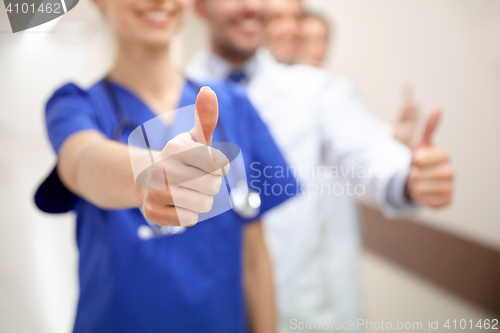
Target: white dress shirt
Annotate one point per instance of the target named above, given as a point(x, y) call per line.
point(336, 147)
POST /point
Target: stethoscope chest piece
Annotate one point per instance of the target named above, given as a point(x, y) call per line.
point(246, 202)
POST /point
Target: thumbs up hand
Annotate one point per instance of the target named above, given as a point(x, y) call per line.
point(404, 129)
point(190, 172)
point(430, 182)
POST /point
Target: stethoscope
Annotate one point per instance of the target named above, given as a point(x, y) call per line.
point(244, 201)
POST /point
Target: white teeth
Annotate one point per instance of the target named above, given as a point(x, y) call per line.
point(156, 16)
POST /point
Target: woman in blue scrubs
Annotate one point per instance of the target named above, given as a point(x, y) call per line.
point(211, 277)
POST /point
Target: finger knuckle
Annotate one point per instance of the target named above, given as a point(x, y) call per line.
point(156, 168)
point(169, 217)
point(207, 204)
point(191, 218)
point(215, 185)
point(419, 158)
point(160, 215)
point(414, 175)
point(150, 212)
point(417, 188)
point(449, 173)
point(153, 195)
point(159, 195)
point(174, 146)
point(220, 160)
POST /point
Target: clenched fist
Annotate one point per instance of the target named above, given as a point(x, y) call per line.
point(430, 182)
point(189, 173)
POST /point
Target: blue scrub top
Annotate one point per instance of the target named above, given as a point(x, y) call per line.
point(185, 282)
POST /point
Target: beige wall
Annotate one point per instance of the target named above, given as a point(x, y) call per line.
point(395, 295)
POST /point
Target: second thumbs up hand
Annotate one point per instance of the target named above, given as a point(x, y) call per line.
point(430, 182)
point(190, 173)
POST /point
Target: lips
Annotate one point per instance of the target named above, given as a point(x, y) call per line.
point(156, 17)
point(250, 26)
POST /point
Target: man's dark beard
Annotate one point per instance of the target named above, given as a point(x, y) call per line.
point(232, 53)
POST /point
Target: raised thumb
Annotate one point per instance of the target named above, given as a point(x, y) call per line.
point(430, 128)
point(206, 116)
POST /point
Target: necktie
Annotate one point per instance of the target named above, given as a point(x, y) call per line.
point(237, 77)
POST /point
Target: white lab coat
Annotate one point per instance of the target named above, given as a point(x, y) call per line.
point(325, 132)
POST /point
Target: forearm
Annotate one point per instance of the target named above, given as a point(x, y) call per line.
point(99, 170)
point(259, 284)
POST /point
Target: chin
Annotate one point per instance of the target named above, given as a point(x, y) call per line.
point(245, 46)
point(284, 57)
point(156, 39)
point(249, 47)
point(248, 51)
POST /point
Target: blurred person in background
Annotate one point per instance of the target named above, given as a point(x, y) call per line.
point(406, 125)
point(315, 35)
point(311, 48)
point(186, 279)
point(326, 132)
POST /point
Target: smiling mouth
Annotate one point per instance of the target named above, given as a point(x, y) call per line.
point(156, 18)
point(251, 25)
